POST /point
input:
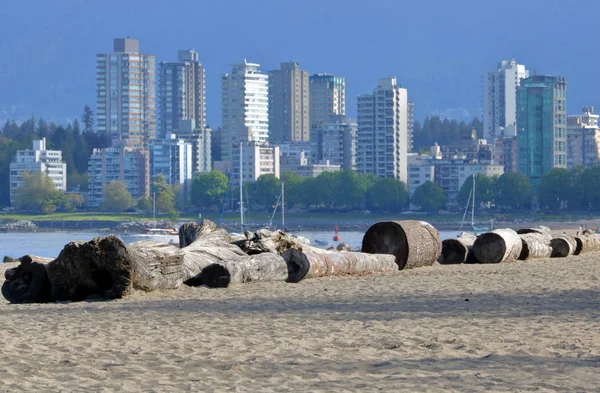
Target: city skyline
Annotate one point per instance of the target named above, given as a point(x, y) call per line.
point(447, 61)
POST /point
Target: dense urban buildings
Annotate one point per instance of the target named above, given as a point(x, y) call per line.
point(383, 131)
point(126, 92)
point(335, 141)
point(257, 159)
point(500, 99)
point(201, 140)
point(181, 92)
point(38, 159)
point(171, 158)
point(288, 104)
point(245, 107)
point(128, 165)
point(583, 139)
point(327, 97)
point(542, 120)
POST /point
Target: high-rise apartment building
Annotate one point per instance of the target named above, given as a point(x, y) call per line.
point(201, 140)
point(500, 99)
point(327, 97)
point(288, 104)
point(583, 139)
point(171, 158)
point(382, 131)
point(245, 107)
point(542, 120)
point(39, 159)
point(125, 81)
point(336, 141)
point(181, 92)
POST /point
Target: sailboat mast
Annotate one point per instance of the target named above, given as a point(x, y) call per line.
point(241, 192)
point(473, 208)
point(283, 205)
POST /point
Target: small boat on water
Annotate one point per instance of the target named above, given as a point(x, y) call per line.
point(161, 231)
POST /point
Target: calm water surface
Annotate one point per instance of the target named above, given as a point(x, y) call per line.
point(49, 244)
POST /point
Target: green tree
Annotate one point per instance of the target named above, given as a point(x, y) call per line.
point(144, 204)
point(553, 190)
point(293, 188)
point(265, 191)
point(387, 195)
point(116, 197)
point(485, 187)
point(591, 187)
point(513, 189)
point(429, 197)
point(87, 119)
point(38, 193)
point(350, 189)
point(208, 189)
point(576, 189)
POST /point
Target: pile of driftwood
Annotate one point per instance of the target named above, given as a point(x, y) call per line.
point(109, 268)
point(507, 245)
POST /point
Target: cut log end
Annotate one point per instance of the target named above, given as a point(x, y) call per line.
point(387, 238)
point(453, 252)
point(489, 248)
point(560, 248)
point(298, 265)
point(215, 276)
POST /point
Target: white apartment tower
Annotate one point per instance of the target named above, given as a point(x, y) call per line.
point(125, 81)
point(288, 104)
point(39, 159)
point(383, 131)
point(500, 99)
point(181, 93)
point(327, 97)
point(245, 107)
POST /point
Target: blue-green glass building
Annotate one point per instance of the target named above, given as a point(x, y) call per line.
point(542, 122)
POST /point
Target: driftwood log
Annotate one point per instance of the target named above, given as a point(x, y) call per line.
point(459, 250)
point(318, 264)
point(535, 245)
point(500, 245)
point(413, 243)
point(587, 243)
point(254, 268)
point(28, 282)
point(541, 229)
point(563, 246)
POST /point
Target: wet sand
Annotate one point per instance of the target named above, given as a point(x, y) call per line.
point(525, 326)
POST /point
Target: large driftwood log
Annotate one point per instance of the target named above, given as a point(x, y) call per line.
point(459, 250)
point(535, 245)
point(563, 246)
point(500, 245)
point(587, 243)
point(276, 242)
point(312, 264)
point(413, 243)
point(253, 268)
point(28, 282)
point(541, 229)
point(190, 231)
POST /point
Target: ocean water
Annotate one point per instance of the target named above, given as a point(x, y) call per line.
point(49, 244)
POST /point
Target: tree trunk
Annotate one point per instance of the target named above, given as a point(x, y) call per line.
point(311, 264)
point(500, 245)
point(535, 245)
point(413, 243)
point(563, 246)
point(459, 250)
point(254, 268)
point(542, 229)
point(587, 243)
point(27, 283)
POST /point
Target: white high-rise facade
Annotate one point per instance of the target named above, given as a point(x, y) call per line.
point(245, 107)
point(500, 99)
point(383, 131)
point(181, 93)
point(126, 94)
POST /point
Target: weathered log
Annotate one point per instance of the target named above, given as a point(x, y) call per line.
point(190, 231)
point(500, 245)
point(27, 283)
point(535, 245)
point(562, 246)
point(276, 242)
point(587, 243)
point(459, 250)
point(539, 229)
point(343, 247)
point(413, 243)
point(254, 268)
point(303, 265)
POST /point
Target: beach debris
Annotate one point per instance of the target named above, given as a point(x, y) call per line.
point(535, 245)
point(253, 268)
point(497, 246)
point(587, 243)
point(310, 264)
point(563, 246)
point(413, 243)
point(459, 250)
point(27, 283)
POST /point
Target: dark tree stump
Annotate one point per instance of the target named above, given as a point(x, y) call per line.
point(27, 283)
point(413, 243)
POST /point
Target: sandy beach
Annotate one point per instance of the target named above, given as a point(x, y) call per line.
point(526, 326)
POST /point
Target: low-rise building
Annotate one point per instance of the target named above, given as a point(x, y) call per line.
point(38, 159)
point(129, 165)
point(257, 159)
point(303, 168)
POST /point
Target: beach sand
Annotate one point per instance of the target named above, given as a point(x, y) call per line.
point(526, 326)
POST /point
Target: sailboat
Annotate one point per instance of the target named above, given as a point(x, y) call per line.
point(471, 201)
point(280, 201)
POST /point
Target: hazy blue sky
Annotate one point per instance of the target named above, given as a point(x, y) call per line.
point(437, 49)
